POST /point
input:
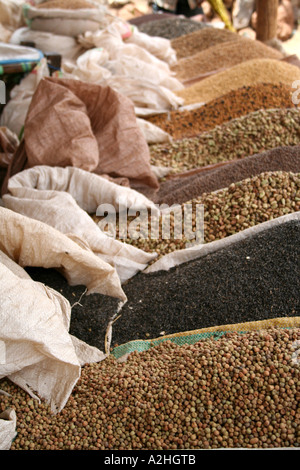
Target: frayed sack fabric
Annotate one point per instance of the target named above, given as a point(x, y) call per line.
point(72, 123)
point(64, 198)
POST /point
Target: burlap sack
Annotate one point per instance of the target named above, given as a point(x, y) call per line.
point(72, 123)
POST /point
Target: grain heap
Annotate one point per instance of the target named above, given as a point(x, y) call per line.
point(222, 56)
point(237, 391)
point(170, 28)
point(234, 104)
point(241, 205)
point(247, 73)
point(181, 189)
point(200, 40)
point(256, 132)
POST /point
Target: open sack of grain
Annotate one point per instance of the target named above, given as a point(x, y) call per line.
point(184, 123)
point(223, 56)
point(36, 347)
point(224, 375)
point(268, 128)
point(66, 17)
point(176, 258)
point(64, 197)
point(248, 73)
point(66, 46)
point(212, 386)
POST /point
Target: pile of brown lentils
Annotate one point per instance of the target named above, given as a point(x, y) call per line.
point(238, 391)
point(255, 132)
point(228, 211)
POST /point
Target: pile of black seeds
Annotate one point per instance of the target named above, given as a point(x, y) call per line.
point(170, 28)
point(89, 317)
point(254, 279)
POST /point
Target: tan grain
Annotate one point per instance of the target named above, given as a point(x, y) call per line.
point(247, 73)
point(66, 4)
point(200, 40)
point(223, 56)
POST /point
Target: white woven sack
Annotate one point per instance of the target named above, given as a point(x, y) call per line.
point(64, 197)
point(66, 22)
point(29, 242)
point(8, 420)
point(37, 349)
point(47, 42)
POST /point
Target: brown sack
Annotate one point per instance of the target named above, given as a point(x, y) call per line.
point(73, 123)
point(58, 130)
